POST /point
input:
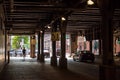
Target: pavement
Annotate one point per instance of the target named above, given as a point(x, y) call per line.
point(30, 69)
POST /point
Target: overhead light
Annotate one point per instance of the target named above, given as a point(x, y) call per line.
point(63, 19)
point(48, 27)
point(41, 31)
point(90, 2)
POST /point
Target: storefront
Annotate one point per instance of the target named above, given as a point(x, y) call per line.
point(84, 45)
point(48, 44)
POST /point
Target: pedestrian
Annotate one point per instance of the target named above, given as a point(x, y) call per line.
point(24, 53)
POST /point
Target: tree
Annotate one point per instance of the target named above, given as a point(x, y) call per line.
point(17, 40)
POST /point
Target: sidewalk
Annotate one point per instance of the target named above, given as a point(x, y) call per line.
point(30, 69)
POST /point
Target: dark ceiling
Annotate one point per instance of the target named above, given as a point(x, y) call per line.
point(29, 16)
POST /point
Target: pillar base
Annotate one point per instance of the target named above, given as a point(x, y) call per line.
point(38, 57)
point(53, 61)
point(107, 72)
point(32, 55)
point(63, 63)
point(41, 59)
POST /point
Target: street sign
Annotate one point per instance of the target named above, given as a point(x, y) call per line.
point(55, 36)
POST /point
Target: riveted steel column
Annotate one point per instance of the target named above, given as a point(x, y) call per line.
point(32, 46)
point(54, 58)
point(42, 47)
point(63, 59)
point(6, 46)
point(107, 69)
point(38, 54)
point(73, 43)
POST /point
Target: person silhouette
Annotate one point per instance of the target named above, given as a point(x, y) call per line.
point(24, 53)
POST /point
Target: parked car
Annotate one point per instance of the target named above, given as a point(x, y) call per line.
point(27, 51)
point(46, 53)
point(12, 52)
point(58, 52)
point(84, 56)
point(19, 52)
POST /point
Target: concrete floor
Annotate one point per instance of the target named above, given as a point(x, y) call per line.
point(30, 69)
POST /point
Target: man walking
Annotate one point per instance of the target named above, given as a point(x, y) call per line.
point(24, 53)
